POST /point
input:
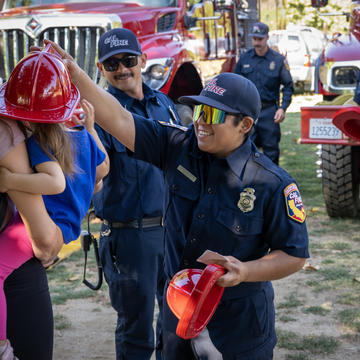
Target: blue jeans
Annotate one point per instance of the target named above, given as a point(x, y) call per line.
point(133, 267)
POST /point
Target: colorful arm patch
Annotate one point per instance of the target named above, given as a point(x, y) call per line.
point(294, 205)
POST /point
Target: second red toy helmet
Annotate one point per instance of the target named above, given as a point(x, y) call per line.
point(193, 297)
point(39, 90)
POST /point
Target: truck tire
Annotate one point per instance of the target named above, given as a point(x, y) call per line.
point(340, 180)
point(185, 112)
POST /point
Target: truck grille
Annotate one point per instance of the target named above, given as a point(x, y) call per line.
point(76, 33)
point(81, 43)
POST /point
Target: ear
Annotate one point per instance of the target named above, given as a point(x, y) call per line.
point(143, 58)
point(246, 124)
point(100, 67)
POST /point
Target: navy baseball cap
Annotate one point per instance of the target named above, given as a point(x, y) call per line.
point(116, 41)
point(229, 92)
point(260, 30)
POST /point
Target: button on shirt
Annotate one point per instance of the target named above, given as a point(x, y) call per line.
point(202, 200)
point(133, 189)
point(267, 72)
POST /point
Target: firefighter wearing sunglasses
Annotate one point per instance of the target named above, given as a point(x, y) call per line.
point(222, 195)
point(131, 203)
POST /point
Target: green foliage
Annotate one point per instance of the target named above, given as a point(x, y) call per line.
point(281, 13)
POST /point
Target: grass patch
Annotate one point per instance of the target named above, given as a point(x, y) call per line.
point(328, 261)
point(336, 245)
point(299, 160)
point(291, 301)
point(61, 322)
point(286, 318)
point(349, 299)
point(320, 344)
point(308, 344)
point(316, 310)
point(299, 356)
point(335, 273)
point(351, 318)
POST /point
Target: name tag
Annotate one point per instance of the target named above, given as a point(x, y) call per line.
point(186, 173)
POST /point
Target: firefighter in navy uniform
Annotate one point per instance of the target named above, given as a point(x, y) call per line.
point(268, 70)
point(221, 195)
point(131, 203)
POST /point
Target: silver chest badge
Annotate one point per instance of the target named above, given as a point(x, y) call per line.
point(272, 65)
point(247, 200)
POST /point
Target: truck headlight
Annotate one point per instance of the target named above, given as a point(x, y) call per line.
point(157, 71)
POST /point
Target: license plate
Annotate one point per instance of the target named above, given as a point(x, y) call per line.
point(323, 129)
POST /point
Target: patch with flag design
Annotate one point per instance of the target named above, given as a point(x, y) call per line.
point(294, 204)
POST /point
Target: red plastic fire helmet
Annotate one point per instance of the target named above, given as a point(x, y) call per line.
point(193, 297)
point(348, 121)
point(39, 90)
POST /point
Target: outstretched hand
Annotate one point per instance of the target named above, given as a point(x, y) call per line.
point(236, 271)
point(68, 60)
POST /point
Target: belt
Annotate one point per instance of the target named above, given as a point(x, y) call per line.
point(266, 104)
point(135, 224)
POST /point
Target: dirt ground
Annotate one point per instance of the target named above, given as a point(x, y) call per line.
point(89, 333)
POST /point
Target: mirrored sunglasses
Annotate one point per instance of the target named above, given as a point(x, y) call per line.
point(112, 64)
point(210, 114)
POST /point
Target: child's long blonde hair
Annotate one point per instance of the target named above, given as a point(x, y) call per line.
point(56, 143)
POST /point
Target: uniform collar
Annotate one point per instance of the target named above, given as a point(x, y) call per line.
point(127, 101)
point(267, 54)
point(239, 157)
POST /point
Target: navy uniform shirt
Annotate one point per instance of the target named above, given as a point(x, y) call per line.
point(357, 90)
point(133, 189)
point(267, 72)
point(242, 205)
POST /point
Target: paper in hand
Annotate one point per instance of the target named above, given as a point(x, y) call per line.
point(211, 257)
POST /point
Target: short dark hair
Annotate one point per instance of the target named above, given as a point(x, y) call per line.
point(237, 118)
point(236, 121)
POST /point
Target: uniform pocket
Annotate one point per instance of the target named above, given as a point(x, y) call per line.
point(239, 223)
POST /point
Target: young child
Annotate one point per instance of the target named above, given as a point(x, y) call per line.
point(68, 163)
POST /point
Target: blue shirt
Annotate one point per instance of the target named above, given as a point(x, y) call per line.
point(268, 73)
point(357, 90)
point(241, 205)
point(69, 208)
point(133, 189)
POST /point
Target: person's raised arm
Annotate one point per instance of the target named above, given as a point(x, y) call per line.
point(109, 114)
point(45, 235)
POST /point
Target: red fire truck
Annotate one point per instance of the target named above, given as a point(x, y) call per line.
point(186, 41)
point(335, 126)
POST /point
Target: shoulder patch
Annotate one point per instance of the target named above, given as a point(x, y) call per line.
point(286, 64)
point(294, 205)
point(164, 123)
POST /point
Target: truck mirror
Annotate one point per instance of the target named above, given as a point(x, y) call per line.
point(319, 3)
point(189, 21)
